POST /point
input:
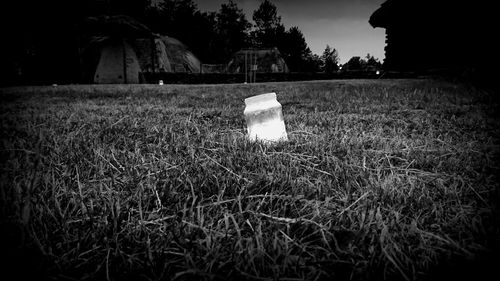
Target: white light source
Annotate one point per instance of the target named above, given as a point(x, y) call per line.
point(264, 118)
point(160, 82)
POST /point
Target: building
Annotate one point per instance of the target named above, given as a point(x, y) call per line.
point(426, 35)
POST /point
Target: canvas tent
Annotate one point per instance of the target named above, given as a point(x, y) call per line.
point(180, 58)
point(118, 49)
point(117, 64)
point(258, 60)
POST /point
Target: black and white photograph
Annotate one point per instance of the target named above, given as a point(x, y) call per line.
point(263, 140)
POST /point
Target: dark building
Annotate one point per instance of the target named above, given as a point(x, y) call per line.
point(437, 35)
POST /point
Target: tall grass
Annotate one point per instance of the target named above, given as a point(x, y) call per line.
point(393, 180)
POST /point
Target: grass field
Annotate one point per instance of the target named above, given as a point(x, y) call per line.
point(381, 179)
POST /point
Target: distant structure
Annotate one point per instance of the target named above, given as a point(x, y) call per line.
point(119, 50)
point(258, 60)
point(436, 34)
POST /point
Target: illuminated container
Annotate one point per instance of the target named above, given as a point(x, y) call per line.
point(264, 118)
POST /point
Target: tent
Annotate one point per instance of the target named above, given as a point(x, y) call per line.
point(164, 54)
point(122, 49)
point(117, 64)
point(181, 59)
point(258, 60)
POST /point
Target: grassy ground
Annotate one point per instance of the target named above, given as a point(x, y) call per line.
point(387, 179)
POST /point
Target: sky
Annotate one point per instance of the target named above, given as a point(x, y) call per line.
point(342, 24)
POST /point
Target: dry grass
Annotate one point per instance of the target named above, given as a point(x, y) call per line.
point(393, 180)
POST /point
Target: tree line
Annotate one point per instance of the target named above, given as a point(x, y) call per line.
point(215, 36)
point(43, 34)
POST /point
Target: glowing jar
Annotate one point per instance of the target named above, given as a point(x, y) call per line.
point(264, 118)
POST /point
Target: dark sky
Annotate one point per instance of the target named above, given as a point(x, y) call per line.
point(342, 24)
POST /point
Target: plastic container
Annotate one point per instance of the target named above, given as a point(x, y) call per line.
point(264, 118)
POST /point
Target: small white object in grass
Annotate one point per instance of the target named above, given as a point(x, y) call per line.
point(378, 72)
point(160, 83)
point(264, 118)
point(54, 85)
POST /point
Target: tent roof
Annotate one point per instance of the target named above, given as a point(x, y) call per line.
point(258, 51)
point(155, 52)
point(265, 58)
point(179, 54)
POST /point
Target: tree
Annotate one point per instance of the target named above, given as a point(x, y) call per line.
point(176, 17)
point(311, 63)
point(354, 64)
point(232, 29)
point(372, 63)
point(133, 8)
point(330, 60)
point(266, 16)
point(269, 30)
point(213, 37)
point(294, 49)
point(207, 47)
point(182, 19)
